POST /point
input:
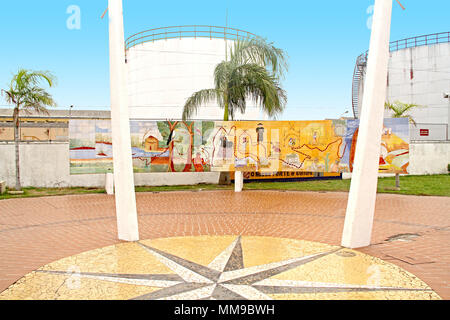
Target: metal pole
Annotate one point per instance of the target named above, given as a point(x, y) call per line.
point(447, 96)
point(361, 202)
point(126, 212)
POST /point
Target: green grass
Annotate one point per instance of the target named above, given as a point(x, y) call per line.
point(47, 192)
point(434, 185)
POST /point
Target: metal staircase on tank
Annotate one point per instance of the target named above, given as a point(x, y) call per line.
point(358, 75)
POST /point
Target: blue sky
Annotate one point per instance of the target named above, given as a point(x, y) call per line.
point(322, 38)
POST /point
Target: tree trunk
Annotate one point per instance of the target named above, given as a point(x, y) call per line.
point(225, 177)
point(16, 140)
point(226, 115)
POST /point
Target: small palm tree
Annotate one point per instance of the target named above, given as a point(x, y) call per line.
point(25, 94)
point(401, 110)
point(252, 72)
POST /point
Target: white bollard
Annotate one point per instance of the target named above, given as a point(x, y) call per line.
point(2, 187)
point(238, 181)
point(109, 185)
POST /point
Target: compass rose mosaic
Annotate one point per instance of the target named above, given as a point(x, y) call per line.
point(220, 268)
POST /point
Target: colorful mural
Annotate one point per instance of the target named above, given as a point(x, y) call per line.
point(265, 147)
point(394, 157)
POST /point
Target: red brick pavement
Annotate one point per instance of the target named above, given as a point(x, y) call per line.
point(35, 232)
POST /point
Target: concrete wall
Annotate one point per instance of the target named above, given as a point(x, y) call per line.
point(47, 165)
point(429, 158)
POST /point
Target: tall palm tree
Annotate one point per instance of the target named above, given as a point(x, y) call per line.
point(26, 94)
point(401, 110)
point(252, 72)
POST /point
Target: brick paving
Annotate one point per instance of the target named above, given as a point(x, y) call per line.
point(35, 232)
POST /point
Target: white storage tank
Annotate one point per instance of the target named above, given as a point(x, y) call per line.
point(419, 73)
point(167, 65)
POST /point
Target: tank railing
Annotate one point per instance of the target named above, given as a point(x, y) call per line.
point(436, 38)
point(425, 40)
point(194, 31)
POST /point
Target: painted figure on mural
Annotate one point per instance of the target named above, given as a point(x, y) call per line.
point(335, 167)
point(291, 142)
point(198, 162)
point(224, 144)
point(314, 141)
point(260, 132)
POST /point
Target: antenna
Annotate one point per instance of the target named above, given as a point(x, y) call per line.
point(104, 13)
point(398, 1)
point(226, 22)
point(226, 42)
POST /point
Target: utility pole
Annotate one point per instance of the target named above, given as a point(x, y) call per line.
point(447, 96)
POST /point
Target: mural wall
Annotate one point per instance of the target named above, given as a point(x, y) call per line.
point(36, 131)
point(264, 147)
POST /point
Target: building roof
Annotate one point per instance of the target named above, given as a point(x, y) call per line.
point(58, 114)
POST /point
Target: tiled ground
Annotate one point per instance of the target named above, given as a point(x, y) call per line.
point(36, 232)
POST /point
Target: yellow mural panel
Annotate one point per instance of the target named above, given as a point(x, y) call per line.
point(6, 134)
point(275, 146)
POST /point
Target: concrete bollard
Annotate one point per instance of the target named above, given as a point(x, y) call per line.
point(2, 187)
point(238, 181)
point(109, 185)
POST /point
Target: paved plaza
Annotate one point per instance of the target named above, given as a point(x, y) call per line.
point(223, 245)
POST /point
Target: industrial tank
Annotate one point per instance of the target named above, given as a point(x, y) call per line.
point(167, 65)
point(419, 73)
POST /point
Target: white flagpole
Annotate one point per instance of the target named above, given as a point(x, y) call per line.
point(127, 222)
point(361, 203)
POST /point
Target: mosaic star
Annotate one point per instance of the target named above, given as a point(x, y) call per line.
point(226, 278)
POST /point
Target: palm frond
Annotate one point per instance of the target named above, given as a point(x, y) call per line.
point(25, 78)
point(400, 110)
point(222, 74)
point(260, 52)
point(200, 98)
point(9, 96)
point(253, 82)
point(25, 91)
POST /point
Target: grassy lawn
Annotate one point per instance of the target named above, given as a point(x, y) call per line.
point(435, 185)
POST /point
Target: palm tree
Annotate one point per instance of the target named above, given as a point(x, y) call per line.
point(25, 94)
point(252, 72)
point(401, 110)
